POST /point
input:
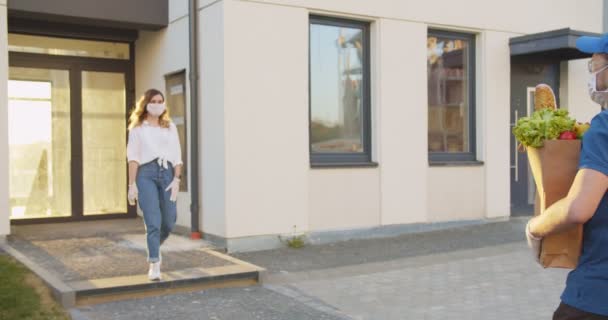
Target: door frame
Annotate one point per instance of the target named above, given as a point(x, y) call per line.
point(75, 66)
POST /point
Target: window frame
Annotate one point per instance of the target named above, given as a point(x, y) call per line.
point(181, 74)
point(458, 157)
point(327, 159)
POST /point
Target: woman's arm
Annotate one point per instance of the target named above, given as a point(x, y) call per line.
point(133, 154)
point(176, 151)
point(133, 166)
point(178, 171)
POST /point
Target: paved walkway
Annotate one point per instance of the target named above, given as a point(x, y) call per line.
point(490, 283)
point(446, 275)
point(357, 252)
point(103, 249)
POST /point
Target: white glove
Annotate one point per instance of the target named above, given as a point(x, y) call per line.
point(534, 243)
point(132, 194)
point(174, 187)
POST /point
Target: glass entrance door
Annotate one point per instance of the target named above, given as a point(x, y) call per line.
point(104, 136)
point(39, 143)
point(67, 137)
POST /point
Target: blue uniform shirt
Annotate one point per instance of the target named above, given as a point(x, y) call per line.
point(587, 285)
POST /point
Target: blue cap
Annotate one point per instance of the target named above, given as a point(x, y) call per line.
point(593, 44)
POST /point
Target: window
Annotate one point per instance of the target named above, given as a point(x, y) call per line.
point(176, 102)
point(451, 96)
point(339, 92)
point(67, 47)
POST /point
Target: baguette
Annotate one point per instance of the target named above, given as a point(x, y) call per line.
point(544, 97)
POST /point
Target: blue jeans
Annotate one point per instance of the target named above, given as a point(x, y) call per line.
point(160, 212)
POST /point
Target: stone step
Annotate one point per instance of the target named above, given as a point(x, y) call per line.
point(70, 293)
point(191, 280)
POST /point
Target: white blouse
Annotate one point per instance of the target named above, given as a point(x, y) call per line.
point(147, 143)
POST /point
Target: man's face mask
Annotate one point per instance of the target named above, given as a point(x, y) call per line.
point(598, 88)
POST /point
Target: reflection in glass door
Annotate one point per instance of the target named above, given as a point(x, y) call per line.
point(104, 143)
point(39, 143)
point(67, 128)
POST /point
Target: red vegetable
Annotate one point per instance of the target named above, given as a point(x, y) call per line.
point(567, 135)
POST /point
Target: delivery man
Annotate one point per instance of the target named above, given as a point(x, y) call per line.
point(586, 293)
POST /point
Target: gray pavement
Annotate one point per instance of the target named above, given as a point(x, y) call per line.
point(215, 304)
point(481, 272)
point(356, 252)
point(500, 282)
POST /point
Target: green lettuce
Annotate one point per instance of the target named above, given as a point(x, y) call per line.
point(544, 124)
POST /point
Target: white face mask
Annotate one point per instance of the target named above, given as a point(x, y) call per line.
point(156, 109)
point(599, 97)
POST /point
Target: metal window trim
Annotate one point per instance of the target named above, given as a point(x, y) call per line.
point(472, 99)
point(318, 158)
point(184, 147)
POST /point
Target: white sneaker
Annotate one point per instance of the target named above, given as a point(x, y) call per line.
point(154, 271)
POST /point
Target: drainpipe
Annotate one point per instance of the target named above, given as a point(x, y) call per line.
point(194, 163)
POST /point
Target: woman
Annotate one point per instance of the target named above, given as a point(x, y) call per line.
point(155, 167)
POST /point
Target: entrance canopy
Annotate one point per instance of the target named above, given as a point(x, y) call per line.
point(551, 45)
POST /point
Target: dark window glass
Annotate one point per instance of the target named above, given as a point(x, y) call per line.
point(339, 95)
point(450, 67)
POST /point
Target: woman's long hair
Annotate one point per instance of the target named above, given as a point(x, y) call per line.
point(139, 113)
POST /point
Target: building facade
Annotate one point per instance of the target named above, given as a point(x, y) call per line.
point(329, 118)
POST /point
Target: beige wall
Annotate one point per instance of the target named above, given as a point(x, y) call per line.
point(518, 16)
point(158, 53)
point(494, 96)
point(212, 119)
point(456, 193)
point(266, 118)
point(344, 199)
point(178, 9)
point(4, 192)
point(255, 172)
point(400, 103)
point(269, 184)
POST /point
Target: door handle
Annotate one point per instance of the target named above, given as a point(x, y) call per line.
point(515, 149)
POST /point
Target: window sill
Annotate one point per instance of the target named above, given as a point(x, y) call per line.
point(343, 165)
point(456, 163)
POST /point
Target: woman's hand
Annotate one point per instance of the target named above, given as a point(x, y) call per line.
point(132, 194)
point(174, 187)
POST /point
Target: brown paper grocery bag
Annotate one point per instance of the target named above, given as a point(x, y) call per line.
point(554, 167)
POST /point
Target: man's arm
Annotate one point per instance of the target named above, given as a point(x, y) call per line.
point(578, 207)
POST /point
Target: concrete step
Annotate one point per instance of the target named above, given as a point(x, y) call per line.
point(232, 273)
point(190, 280)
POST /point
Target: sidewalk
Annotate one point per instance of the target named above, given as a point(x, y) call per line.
point(500, 282)
point(357, 252)
point(478, 272)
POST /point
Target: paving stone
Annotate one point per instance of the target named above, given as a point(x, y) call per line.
point(484, 272)
point(356, 252)
point(507, 285)
point(216, 304)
